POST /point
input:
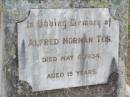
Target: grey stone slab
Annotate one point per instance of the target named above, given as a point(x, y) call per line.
point(16, 10)
point(64, 48)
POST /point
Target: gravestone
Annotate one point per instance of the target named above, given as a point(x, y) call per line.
point(63, 48)
point(67, 47)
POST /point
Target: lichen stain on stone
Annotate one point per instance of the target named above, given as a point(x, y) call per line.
point(56, 3)
point(1, 8)
point(99, 3)
point(116, 2)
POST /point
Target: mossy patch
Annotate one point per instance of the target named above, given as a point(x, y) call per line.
point(99, 3)
point(116, 2)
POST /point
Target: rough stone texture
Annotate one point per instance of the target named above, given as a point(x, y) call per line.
point(15, 10)
point(2, 89)
point(31, 66)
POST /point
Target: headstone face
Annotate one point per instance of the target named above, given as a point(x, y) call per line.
point(63, 48)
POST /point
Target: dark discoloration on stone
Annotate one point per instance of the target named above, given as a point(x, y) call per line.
point(23, 53)
point(106, 90)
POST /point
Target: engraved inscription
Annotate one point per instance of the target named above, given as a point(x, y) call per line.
point(63, 48)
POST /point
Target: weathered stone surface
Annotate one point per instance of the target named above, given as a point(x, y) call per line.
point(2, 77)
point(16, 10)
point(62, 48)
